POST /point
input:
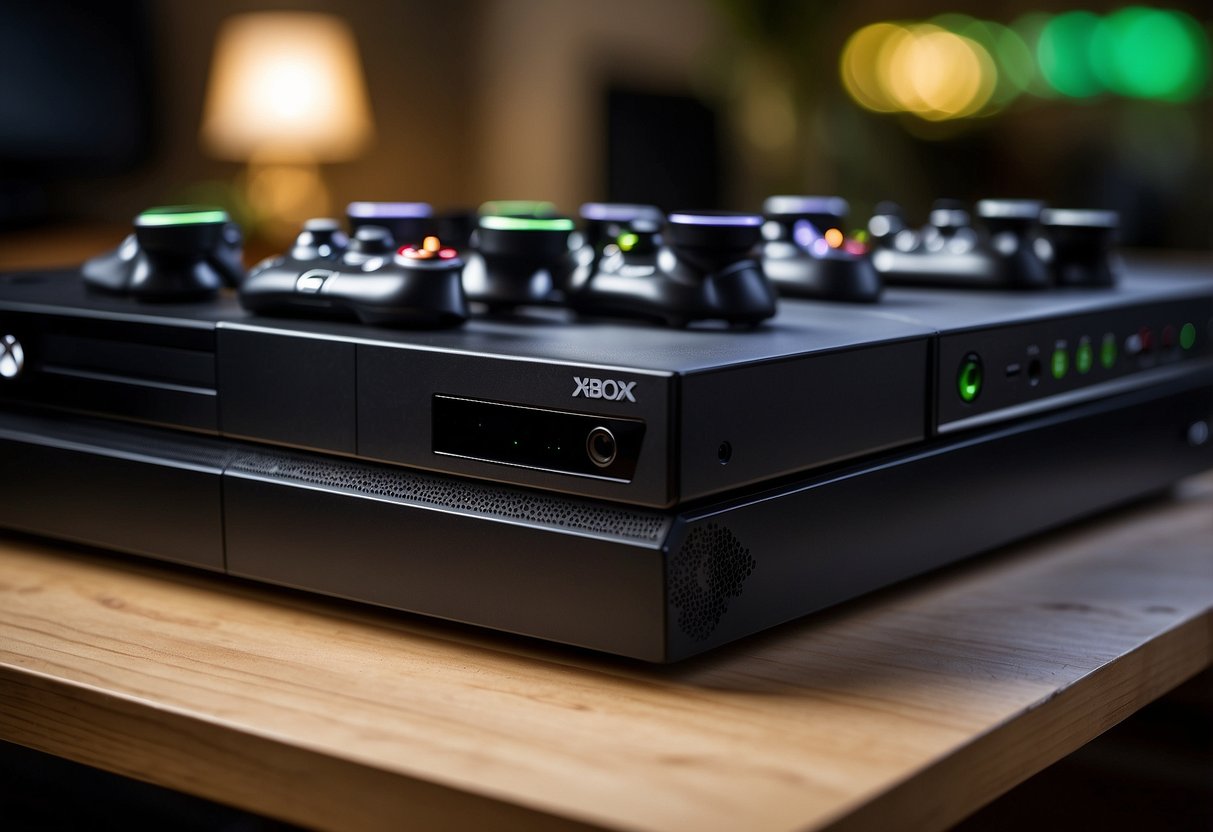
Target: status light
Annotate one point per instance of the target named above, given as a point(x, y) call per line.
point(1107, 351)
point(1084, 357)
point(969, 378)
point(1187, 336)
point(627, 241)
point(1060, 364)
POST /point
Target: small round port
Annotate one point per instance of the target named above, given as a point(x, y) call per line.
point(1034, 370)
point(601, 447)
point(724, 453)
point(969, 378)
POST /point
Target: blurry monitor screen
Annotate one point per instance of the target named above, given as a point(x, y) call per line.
point(75, 88)
point(662, 149)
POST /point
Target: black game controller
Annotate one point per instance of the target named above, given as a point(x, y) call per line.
point(177, 253)
point(525, 255)
point(365, 278)
point(1009, 252)
point(807, 253)
point(703, 267)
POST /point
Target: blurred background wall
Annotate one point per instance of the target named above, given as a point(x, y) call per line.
point(688, 103)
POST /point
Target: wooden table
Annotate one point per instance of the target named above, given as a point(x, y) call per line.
point(908, 709)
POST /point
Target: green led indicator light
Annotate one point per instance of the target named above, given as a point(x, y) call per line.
point(1187, 336)
point(517, 208)
point(181, 215)
point(627, 241)
point(1084, 357)
point(1060, 363)
point(496, 223)
point(968, 380)
point(1107, 351)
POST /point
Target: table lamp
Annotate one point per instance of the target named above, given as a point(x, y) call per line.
point(286, 93)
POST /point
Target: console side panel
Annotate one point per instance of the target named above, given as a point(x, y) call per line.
point(778, 557)
point(787, 416)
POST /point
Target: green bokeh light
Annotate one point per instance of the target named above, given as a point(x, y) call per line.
point(1063, 51)
point(1150, 53)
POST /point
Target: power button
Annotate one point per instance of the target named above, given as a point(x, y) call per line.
point(12, 357)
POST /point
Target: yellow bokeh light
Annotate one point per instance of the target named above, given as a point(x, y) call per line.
point(922, 69)
point(860, 66)
point(834, 238)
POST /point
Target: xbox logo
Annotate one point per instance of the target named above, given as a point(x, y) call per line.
point(12, 357)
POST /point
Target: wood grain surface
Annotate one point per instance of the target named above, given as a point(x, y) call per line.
point(907, 709)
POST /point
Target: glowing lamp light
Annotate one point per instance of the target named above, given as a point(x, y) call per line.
point(285, 94)
point(286, 86)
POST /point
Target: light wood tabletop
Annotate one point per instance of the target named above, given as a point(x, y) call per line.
point(907, 709)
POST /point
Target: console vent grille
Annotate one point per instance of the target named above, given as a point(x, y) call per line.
point(482, 499)
point(709, 568)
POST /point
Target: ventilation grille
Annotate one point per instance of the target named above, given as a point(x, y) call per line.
point(710, 568)
point(482, 499)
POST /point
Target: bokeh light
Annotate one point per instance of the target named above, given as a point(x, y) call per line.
point(861, 73)
point(956, 66)
point(1149, 53)
point(922, 69)
point(1062, 51)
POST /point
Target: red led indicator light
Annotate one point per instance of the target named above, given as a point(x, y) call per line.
point(1167, 340)
point(1147, 338)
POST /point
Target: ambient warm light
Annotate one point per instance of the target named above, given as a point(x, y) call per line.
point(286, 86)
point(922, 69)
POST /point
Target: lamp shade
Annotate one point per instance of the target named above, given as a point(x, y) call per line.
point(286, 86)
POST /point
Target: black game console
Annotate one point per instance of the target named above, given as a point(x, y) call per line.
point(567, 465)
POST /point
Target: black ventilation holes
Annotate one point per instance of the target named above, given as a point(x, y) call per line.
point(710, 568)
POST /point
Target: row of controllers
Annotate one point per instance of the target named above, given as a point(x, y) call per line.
point(627, 260)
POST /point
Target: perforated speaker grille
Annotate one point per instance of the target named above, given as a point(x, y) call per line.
point(709, 568)
point(481, 499)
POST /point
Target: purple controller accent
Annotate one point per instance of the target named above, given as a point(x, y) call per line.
point(389, 210)
point(719, 219)
point(619, 212)
point(804, 233)
point(832, 206)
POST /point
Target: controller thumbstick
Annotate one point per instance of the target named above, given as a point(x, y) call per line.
point(605, 221)
point(1082, 246)
point(320, 239)
point(177, 253)
point(821, 212)
point(371, 242)
point(521, 260)
point(714, 232)
point(405, 220)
